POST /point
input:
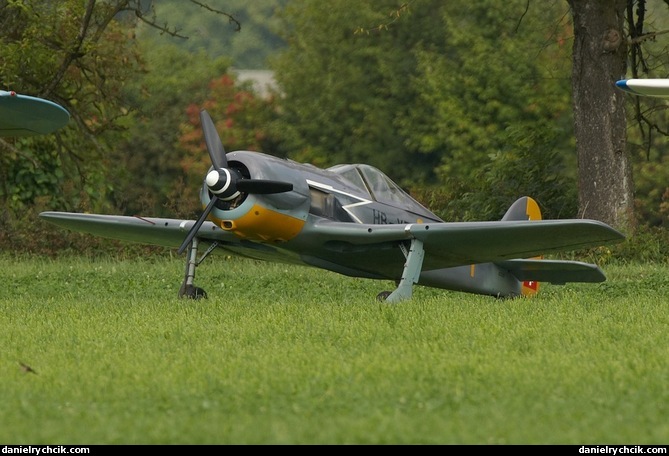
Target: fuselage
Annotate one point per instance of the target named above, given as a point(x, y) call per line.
point(269, 225)
point(345, 193)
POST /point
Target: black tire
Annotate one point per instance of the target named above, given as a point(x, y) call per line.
point(192, 292)
point(383, 295)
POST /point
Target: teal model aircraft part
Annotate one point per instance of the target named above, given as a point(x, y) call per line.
point(23, 115)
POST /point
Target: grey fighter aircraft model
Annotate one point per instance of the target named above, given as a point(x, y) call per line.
point(352, 219)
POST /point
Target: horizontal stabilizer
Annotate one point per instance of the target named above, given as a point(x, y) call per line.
point(553, 271)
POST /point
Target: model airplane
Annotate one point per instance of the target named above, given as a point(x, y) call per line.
point(645, 87)
point(354, 220)
point(22, 115)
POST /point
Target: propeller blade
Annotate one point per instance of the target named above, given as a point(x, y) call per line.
point(263, 187)
point(223, 183)
point(213, 141)
point(193, 231)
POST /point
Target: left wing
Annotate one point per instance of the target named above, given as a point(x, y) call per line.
point(463, 243)
point(22, 115)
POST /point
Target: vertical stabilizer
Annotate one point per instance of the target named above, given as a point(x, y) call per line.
point(524, 208)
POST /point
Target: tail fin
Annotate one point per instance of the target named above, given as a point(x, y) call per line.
point(525, 208)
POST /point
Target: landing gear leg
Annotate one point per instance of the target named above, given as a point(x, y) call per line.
point(188, 290)
point(410, 275)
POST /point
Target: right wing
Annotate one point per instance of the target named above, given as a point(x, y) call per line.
point(154, 231)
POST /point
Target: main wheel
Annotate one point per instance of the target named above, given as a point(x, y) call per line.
point(383, 295)
point(192, 292)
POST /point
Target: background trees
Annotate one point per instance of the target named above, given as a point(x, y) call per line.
point(342, 92)
point(435, 98)
point(148, 174)
point(75, 54)
point(127, 98)
point(465, 104)
point(247, 39)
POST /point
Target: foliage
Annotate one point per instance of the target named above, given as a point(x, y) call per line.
point(476, 87)
point(247, 41)
point(529, 164)
point(466, 104)
point(343, 92)
point(651, 191)
point(647, 150)
point(423, 99)
point(313, 359)
point(648, 244)
point(241, 118)
point(73, 53)
point(25, 235)
point(23, 178)
point(120, 151)
point(149, 174)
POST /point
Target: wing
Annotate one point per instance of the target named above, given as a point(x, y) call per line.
point(155, 231)
point(653, 87)
point(21, 115)
point(459, 243)
point(165, 232)
point(370, 250)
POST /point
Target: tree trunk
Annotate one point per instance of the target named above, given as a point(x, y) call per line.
point(606, 189)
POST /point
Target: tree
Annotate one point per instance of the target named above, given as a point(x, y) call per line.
point(342, 92)
point(246, 42)
point(428, 95)
point(486, 98)
point(73, 53)
point(148, 156)
point(606, 190)
point(81, 55)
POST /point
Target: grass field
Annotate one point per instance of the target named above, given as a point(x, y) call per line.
point(290, 355)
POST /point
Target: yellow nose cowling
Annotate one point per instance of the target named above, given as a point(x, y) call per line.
point(262, 224)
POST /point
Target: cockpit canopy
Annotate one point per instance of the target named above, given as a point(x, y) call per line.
point(376, 184)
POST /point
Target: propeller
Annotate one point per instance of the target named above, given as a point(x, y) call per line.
point(226, 183)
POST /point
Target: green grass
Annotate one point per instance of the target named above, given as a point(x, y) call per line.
point(289, 355)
